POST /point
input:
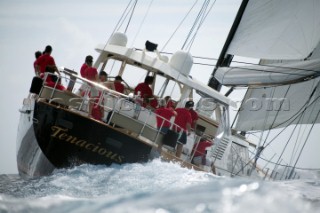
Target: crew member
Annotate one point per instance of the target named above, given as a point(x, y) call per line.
point(183, 120)
point(199, 151)
point(85, 65)
point(145, 90)
point(194, 116)
point(45, 60)
point(163, 117)
point(118, 86)
point(37, 54)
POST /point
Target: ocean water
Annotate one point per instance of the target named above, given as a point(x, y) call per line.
point(155, 186)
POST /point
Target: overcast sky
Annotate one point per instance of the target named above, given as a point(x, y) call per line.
point(74, 28)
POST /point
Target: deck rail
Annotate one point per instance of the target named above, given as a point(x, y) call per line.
point(120, 110)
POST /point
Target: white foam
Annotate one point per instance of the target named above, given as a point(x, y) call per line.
point(155, 187)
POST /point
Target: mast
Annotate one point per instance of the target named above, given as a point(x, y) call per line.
point(225, 60)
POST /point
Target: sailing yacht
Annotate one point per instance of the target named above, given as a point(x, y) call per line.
point(57, 131)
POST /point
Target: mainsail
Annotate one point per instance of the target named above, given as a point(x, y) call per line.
point(277, 29)
point(284, 87)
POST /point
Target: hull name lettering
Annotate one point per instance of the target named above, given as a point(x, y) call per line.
point(62, 135)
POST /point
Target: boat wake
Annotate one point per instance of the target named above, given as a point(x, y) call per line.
point(155, 186)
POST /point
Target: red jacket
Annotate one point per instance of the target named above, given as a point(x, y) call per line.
point(201, 147)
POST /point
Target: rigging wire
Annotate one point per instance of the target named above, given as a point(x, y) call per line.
point(259, 148)
point(119, 23)
point(203, 9)
point(272, 140)
point(291, 135)
point(275, 117)
point(291, 119)
point(289, 123)
point(204, 6)
point(294, 129)
point(283, 165)
point(179, 26)
point(295, 147)
point(267, 115)
point(134, 6)
point(143, 20)
point(249, 161)
point(283, 150)
point(123, 17)
point(303, 108)
point(238, 158)
point(304, 144)
point(247, 68)
point(293, 154)
point(201, 22)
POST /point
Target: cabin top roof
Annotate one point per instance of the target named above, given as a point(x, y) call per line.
point(155, 64)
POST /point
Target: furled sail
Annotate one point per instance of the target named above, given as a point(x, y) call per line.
point(277, 73)
point(280, 106)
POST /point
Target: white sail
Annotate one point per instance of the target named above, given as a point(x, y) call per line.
point(275, 107)
point(277, 29)
point(284, 35)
